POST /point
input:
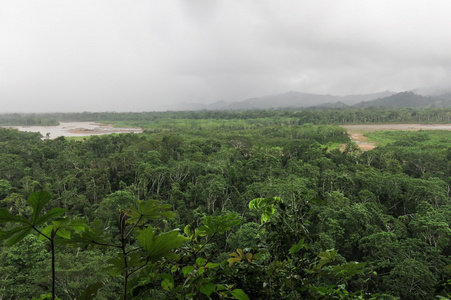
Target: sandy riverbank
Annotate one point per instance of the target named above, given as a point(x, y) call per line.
point(73, 129)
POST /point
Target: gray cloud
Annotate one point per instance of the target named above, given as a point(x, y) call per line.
point(105, 55)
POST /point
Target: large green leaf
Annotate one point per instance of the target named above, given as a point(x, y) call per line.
point(148, 210)
point(168, 281)
point(90, 292)
point(159, 245)
point(136, 259)
point(348, 269)
point(116, 265)
point(4, 235)
point(20, 236)
point(239, 294)
point(37, 201)
point(76, 225)
point(5, 216)
point(301, 245)
point(92, 236)
point(219, 224)
point(54, 212)
point(64, 233)
point(187, 270)
point(261, 202)
point(63, 228)
point(207, 288)
point(47, 232)
point(326, 257)
point(266, 205)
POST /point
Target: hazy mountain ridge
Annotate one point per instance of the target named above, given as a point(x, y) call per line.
point(305, 100)
point(409, 99)
point(287, 100)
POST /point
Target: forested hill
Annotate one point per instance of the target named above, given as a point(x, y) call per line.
point(305, 100)
point(286, 100)
point(409, 99)
point(297, 100)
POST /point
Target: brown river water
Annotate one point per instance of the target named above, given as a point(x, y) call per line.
point(74, 129)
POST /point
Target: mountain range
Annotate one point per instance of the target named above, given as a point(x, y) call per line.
point(306, 100)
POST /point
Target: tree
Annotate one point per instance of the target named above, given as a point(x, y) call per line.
point(61, 228)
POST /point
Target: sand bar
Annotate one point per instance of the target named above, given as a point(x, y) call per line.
point(74, 129)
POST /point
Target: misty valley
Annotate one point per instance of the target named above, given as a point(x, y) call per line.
point(209, 150)
point(319, 203)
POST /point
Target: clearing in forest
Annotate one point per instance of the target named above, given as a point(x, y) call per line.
point(357, 131)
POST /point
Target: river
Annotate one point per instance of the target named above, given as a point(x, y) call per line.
point(76, 129)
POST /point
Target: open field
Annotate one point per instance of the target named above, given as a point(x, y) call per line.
point(357, 132)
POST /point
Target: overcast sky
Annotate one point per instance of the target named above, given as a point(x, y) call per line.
point(144, 55)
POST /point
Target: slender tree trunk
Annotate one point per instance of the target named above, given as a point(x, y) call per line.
point(52, 244)
point(123, 244)
point(126, 271)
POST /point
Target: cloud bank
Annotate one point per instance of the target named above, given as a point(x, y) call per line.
point(117, 55)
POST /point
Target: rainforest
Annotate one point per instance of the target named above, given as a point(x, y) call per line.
point(258, 204)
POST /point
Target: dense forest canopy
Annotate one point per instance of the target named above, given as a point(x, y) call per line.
point(325, 116)
point(257, 204)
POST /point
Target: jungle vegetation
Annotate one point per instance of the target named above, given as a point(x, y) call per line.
point(314, 115)
point(228, 205)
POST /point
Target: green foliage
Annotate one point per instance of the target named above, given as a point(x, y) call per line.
point(59, 228)
point(289, 245)
point(148, 210)
point(267, 205)
point(240, 256)
point(411, 139)
point(45, 296)
point(22, 268)
point(90, 292)
point(239, 294)
point(159, 245)
point(296, 248)
point(247, 236)
point(387, 208)
point(219, 224)
point(37, 201)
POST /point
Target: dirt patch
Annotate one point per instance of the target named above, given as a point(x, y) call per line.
point(361, 140)
point(356, 131)
point(101, 129)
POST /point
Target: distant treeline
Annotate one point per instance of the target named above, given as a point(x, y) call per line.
point(374, 115)
point(28, 120)
point(329, 116)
